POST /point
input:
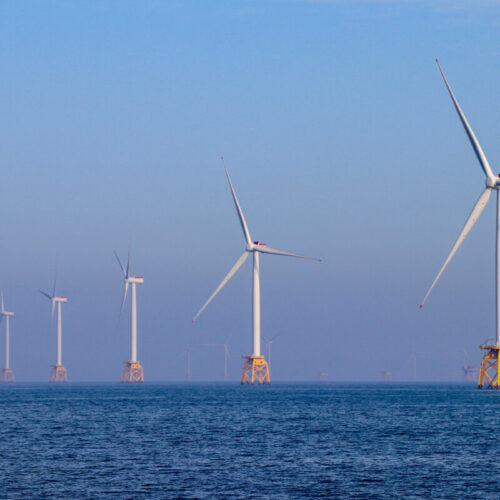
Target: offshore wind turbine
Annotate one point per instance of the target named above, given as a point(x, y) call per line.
point(269, 343)
point(227, 354)
point(255, 368)
point(187, 352)
point(490, 361)
point(132, 372)
point(58, 372)
point(7, 373)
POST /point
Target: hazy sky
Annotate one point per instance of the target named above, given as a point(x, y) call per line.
point(341, 141)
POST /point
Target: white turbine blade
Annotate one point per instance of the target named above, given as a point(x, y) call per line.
point(128, 262)
point(474, 215)
point(53, 308)
point(243, 222)
point(274, 251)
point(226, 348)
point(119, 262)
point(55, 283)
point(125, 290)
point(229, 275)
point(472, 138)
point(46, 295)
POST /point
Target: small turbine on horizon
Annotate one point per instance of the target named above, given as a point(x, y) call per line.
point(7, 373)
point(256, 367)
point(132, 372)
point(187, 352)
point(227, 354)
point(58, 372)
point(490, 359)
point(269, 343)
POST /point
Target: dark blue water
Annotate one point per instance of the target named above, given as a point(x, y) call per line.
point(230, 441)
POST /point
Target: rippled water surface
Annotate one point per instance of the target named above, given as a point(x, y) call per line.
point(232, 441)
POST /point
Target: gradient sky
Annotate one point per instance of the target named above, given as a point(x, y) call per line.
point(341, 141)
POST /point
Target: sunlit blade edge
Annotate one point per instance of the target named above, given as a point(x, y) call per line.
point(275, 251)
point(468, 130)
point(229, 275)
point(471, 220)
point(243, 222)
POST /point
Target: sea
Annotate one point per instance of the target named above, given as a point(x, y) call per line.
point(224, 440)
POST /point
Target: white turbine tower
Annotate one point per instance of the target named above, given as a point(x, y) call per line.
point(490, 360)
point(58, 372)
point(255, 368)
point(132, 371)
point(7, 373)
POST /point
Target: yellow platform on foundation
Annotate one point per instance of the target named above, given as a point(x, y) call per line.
point(255, 370)
point(490, 367)
point(7, 375)
point(58, 374)
point(132, 372)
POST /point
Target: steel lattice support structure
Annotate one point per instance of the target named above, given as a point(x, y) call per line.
point(7, 375)
point(255, 370)
point(132, 372)
point(58, 374)
point(490, 368)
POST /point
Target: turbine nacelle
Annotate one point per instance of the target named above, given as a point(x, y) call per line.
point(138, 280)
point(493, 182)
point(255, 246)
point(60, 299)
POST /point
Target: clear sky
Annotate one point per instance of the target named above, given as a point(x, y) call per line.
point(341, 141)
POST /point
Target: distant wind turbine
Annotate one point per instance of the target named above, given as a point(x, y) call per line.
point(269, 343)
point(132, 371)
point(490, 360)
point(227, 354)
point(187, 352)
point(7, 373)
point(255, 368)
point(58, 372)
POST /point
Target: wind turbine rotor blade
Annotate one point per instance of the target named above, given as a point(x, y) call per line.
point(46, 295)
point(55, 283)
point(128, 262)
point(274, 251)
point(53, 308)
point(243, 222)
point(229, 275)
point(470, 134)
point(469, 224)
point(120, 264)
point(125, 290)
point(179, 357)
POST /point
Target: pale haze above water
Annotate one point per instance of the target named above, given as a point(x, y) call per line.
point(341, 141)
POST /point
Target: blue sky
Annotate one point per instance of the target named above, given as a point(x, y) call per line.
point(341, 141)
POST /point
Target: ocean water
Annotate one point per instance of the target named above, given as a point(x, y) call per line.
point(230, 441)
